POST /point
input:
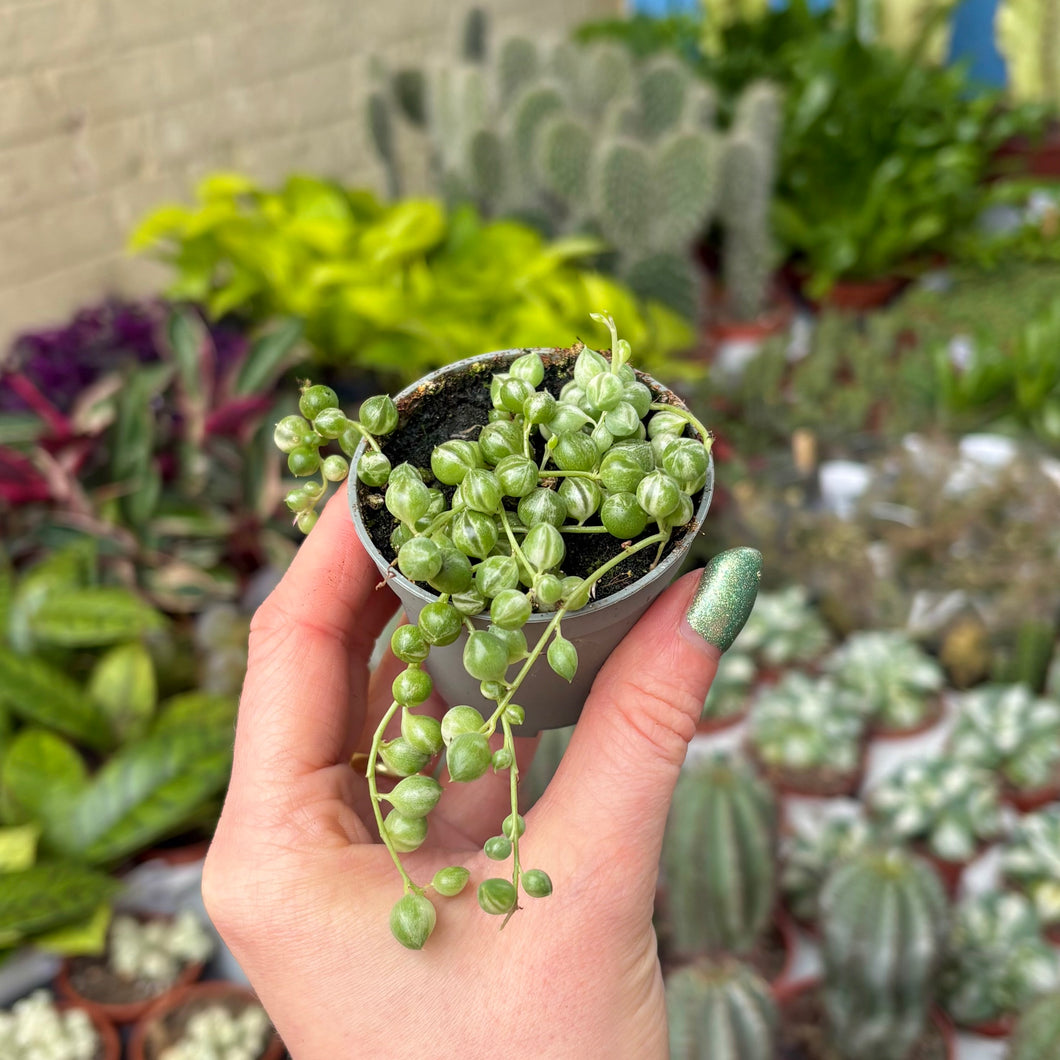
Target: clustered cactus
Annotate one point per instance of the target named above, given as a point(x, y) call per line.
point(898, 680)
point(948, 806)
point(35, 1027)
point(784, 629)
point(486, 527)
point(217, 1033)
point(1011, 731)
point(579, 138)
point(1030, 861)
point(718, 859)
point(157, 949)
point(730, 691)
point(720, 1010)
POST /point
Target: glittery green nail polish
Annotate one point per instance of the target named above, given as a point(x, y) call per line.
point(725, 596)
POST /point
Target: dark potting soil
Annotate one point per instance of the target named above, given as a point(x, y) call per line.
point(803, 1035)
point(92, 979)
point(458, 406)
point(819, 782)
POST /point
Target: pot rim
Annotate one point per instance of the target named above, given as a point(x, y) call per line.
point(397, 581)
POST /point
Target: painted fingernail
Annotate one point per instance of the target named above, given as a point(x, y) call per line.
point(726, 594)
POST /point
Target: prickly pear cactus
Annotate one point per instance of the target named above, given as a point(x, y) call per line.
point(718, 857)
point(720, 1010)
point(1036, 1035)
point(883, 916)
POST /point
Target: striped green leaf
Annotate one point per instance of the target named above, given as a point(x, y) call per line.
point(48, 895)
point(82, 618)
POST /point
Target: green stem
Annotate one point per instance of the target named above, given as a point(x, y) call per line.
point(516, 550)
point(513, 778)
point(569, 474)
point(704, 433)
point(367, 435)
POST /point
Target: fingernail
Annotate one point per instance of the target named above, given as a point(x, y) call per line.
point(726, 594)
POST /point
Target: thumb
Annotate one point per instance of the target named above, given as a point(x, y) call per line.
point(611, 793)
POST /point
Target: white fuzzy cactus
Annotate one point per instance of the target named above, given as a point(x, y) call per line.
point(35, 1029)
point(947, 804)
point(784, 629)
point(896, 679)
point(156, 950)
point(1030, 860)
point(217, 1033)
point(731, 687)
point(1010, 730)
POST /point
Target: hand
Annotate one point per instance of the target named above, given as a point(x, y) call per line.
point(300, 887)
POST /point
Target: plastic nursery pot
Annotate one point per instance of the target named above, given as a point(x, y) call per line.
point(458, 396)
point(162, 1024)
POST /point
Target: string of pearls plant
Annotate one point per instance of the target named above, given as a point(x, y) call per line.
point(485, 528)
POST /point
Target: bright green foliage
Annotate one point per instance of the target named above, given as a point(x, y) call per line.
point(1036, 1035)
point(399, 288)
point(1030, 861)
point(720, 1010)
point(48, 895)
point(997, 960)
point(883, 920)
point(718, 859)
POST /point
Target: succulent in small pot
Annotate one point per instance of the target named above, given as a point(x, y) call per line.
point(1014, 733)
point(812, 848)
point(526, 507)
point(1030, 862)
point(729, 697)
point(145, 958)
point(997, 962)
point(946, 808)
point(36, 1027)
point(807, 735)
point(784, 630)
point(899, 682)
point(1036, 1033)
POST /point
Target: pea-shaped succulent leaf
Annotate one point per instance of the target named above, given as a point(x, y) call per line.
point(422, 732)
point(290, 433)
point(548, 589)
point(563, 657)
point(637, 395)
point(439, 623)
point(335, 468)
point(469, 602)
point(330, 423)
point(474, 533)
point(623, 517)
point(682, 514)
point(496, 896)
point(451, 880)
point(502, 759)
point(415, 797)
point(485, 656)
point(468, 756)
point(454, 575)
point(498, 415)
point(297, 500)
point(401, 758)
point(587, 364)
point(499, 439)
point(536, 883)
point(620, 471)
point(572, 588)
point(408, 644)
point(419, 559)
point(510, 609)
point(514, 714)
point(407, 498)
point(516, 475)
point(542, 506)
point(379, 414)
point(513, 826)
point(665, 422)
point(437, 505)
point(452, 460)
point(497, 848)
point(495, 574)
point(602, 438)
point(492, 690)
point(481, 491)
point(514, 641)
point(373, 469)
point(658, 494)
point(529, 367)
point(512, 393)
point(574, 452)
point(568, 419)
point(412, 919)
point(305, 521)
point(405, 833)
point(303, 460)
point(399, 535)
point(543, 547)
point(314, 399)
point(459, 720)
point(412, 687)
point(582, 497)
point(687, 461)
point(604, 391)
point(622, 420)
point(539, 407)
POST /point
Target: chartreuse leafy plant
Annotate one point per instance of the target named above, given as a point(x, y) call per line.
point(1030, 861)
point(485, 528)
point(997, 960)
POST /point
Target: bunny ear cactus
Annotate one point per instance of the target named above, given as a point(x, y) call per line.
point(718, 857)
point(1036, 1035)
point(1030, 861)
point(1010, 731)
point(997, 960)
point(720, 1010)
point(883, 918)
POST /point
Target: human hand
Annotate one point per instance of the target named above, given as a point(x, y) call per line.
point(300, 887)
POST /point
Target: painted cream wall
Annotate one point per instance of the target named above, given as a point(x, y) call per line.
point(110, 107)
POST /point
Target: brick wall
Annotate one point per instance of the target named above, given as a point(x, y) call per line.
point(111, 107)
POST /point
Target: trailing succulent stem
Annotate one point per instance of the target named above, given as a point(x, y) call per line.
point(485, 529)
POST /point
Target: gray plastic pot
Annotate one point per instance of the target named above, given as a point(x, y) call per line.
point(550, 702)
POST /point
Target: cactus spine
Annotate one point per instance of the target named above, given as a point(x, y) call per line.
point(720, 1010)
point(883, 923)
point(1036, 1035)
point(718, 857)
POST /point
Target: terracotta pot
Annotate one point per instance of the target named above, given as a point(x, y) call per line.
point(996, 1028)
point(851, 295)
point(1019, 156)
point(786, 926)
point(150, 1029)
point(810, 783)
point(1029, 800)
point(550, 701)
point(931, 719)
point(950, 872)
point(706, 726)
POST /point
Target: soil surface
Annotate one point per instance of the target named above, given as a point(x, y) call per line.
point(458, 407)
point(819, 782)
point(165, 1031)
point(92, 979)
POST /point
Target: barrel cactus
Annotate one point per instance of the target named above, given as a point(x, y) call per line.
point(720, 1010)
point(883, 922)
point(1030, 862)
point(718, 857)
point(1036, 1035)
